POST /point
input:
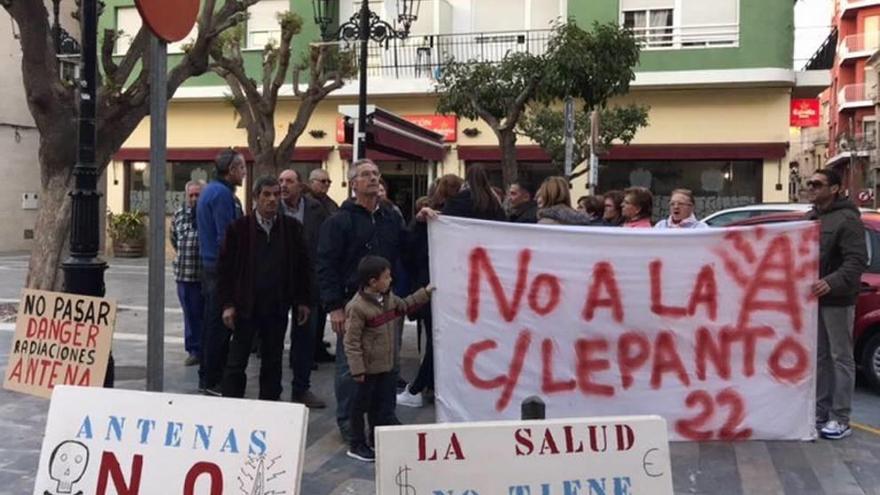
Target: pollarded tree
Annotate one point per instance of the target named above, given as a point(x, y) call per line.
point(256, 103)
point(123, 101)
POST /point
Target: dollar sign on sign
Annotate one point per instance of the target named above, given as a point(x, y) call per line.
point(402, 481)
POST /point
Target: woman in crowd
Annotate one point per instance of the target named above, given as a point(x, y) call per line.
point(637, 208)
point(447, 187)
point(554, 204)
point(594, 206)
point(475, 200)
point(681, 212)
point(613, 214)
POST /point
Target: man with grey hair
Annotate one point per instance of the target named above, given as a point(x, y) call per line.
point(264, 271)
point(363, 226)
point(187, 271)
point(319, 184)
point(217, 208)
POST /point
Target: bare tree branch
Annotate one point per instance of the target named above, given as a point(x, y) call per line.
point(135, 52)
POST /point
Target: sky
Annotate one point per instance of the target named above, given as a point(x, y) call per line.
point(812, 22)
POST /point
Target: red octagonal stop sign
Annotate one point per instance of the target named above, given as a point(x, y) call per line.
point(170, 20)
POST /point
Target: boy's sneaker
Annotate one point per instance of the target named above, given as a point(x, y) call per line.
point(361, 453)
point(835, 431)
point(405, 398)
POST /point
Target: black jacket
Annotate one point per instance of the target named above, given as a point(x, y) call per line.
point(346, 238)
point(843, 255)
point(462, 205)
point(313, 217)
point(526, 213)
point(236, 265)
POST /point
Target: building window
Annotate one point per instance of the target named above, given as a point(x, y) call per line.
point(128, 23)
point(716, 184)
point(263, 26)
point(177, 174)
point(869, 132)
point(652, 28)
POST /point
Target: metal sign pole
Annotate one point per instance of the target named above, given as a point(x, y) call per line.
point(569, 134)
point(594, 158)
point(156, 295)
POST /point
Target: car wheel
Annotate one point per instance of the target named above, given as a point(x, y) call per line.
point(871, 362)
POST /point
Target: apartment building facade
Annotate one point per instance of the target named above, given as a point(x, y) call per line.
point(717, 77)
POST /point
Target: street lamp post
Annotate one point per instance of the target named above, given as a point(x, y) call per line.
point(363, 26)
point(84, 270)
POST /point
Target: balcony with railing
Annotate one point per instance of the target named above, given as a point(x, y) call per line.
point(856, 96)
point(858, 46)
point(849, 7)
point(422, 56)
point(695, 36)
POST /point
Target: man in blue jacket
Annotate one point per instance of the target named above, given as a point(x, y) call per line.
point(217, 208)
point(361, 227)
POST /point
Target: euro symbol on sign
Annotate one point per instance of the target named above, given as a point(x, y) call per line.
point(402, 481)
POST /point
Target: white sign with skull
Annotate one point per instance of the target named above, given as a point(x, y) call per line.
point(102, 441)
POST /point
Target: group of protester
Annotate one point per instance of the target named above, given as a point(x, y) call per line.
point(298, 259)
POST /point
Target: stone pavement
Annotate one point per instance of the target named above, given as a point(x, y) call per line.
point(848, 467)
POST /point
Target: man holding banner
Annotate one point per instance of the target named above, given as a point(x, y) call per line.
point(842, 260)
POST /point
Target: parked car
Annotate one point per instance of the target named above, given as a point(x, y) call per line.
point(726, 217)
point(866, 330)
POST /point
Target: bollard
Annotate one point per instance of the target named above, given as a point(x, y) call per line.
point(533, 408)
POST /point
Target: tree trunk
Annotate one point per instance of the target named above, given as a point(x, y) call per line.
point(509, 169)
point(51, 232)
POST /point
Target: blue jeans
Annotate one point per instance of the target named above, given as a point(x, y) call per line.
point(193, 305)
point(302, 350)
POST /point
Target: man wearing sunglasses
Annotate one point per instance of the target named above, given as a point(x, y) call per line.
point(842, 260)
point(217, 208)
point(319, 184)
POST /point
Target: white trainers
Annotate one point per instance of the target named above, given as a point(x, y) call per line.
point(407, 399)
point(835, 431)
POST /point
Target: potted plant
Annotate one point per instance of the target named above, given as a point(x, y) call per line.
point(127, 231)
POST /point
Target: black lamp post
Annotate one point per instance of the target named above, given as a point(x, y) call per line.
point(363, 26)
point(84, 270)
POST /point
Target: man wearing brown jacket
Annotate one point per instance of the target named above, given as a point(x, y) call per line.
point(264, 270)
point(370, 332)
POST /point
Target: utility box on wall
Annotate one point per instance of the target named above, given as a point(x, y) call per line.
point(30, 201)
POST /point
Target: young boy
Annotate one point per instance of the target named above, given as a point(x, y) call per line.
point(369, 345)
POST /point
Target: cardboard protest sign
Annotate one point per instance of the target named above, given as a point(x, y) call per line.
point(104, 441)
point(60, 339)
point(712, 329)
point(614, 455)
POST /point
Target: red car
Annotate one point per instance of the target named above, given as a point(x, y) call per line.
point(866, 331)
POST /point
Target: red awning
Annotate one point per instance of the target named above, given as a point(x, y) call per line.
point(397, 137)
point(304, 154)
point(727, 151)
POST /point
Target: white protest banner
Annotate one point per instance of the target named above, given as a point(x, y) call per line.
point(625, 455)
point(122, 442)
point(712, 329)
point(60, 339)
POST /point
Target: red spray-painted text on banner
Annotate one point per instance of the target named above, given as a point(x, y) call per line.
point(707, 328)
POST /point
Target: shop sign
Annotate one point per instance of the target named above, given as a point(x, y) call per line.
point(805, 112)
point(608, 455)
point(445, 125)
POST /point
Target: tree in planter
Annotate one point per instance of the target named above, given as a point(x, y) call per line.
point(127, 231)
point(546, 126)
point(123, 101)
point(593, 66)
point(257, 105)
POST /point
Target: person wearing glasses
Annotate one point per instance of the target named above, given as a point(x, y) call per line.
point(681, 212)
point(843, 257)
point(216, 209)
point(319, 184)
point(363, 226)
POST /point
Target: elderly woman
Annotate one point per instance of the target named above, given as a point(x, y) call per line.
point(554, 204)
point(637, 206)
point(681, 212)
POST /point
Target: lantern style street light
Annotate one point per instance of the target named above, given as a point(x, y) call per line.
point(363, 26)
